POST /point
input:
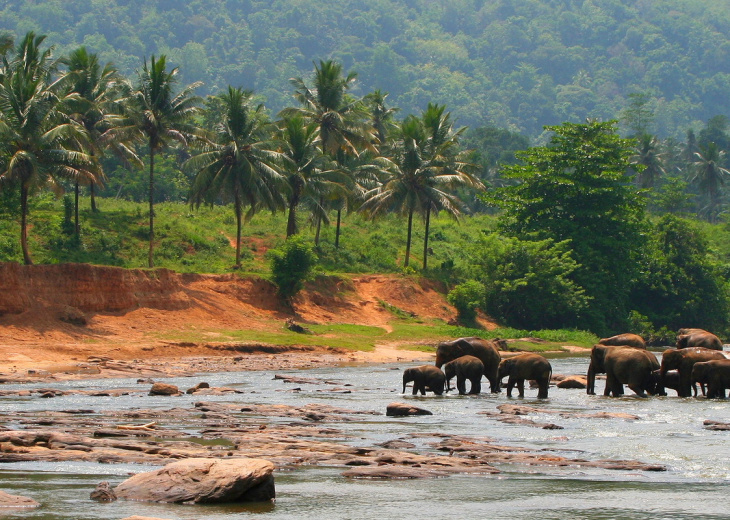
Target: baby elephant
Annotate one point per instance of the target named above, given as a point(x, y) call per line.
point(465, 367)
point(424, 377)
point(526, 366)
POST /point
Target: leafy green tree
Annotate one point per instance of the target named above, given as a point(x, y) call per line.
point(577, 188)
point(241, 163)
point(680, 283)
point(160, 117)
point(710, 177)
point(467, 297)
point(650, 160)
point(527, 284)
point(39, 143)
point(639, 115)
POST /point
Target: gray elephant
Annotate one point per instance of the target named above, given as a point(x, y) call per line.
point(699, 338)
point(623, 365)
point(486, 351)
point(424, 377)
point(631, 340)
point(716, 374)
point(683, 360)
point(670, 380)
point(465, 368)
point(526, 366)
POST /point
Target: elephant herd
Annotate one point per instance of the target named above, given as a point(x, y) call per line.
point(697, 359)
point(469, 359)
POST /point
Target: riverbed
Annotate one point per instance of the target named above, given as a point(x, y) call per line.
point(669, 431)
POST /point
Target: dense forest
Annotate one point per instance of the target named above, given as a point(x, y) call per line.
point(512, 64)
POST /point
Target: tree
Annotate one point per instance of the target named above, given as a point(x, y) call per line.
point(340, 118)
point(638, 115)
point(425, 167)
point(577, 188)
point(159, 117)
point(97, 90)
point(39, 143)
point(381, 116)
point(650, 161)
point(240, 164)
point(710, 176)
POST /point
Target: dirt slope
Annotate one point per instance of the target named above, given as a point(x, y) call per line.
point(126, 310)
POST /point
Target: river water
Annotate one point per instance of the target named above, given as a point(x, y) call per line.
point(669, 432)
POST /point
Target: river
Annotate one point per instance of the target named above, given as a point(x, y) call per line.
point(669, 432)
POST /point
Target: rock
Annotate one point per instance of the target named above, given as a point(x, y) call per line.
point(716, 426)
point(73, 316)
point(393, 472)
point(135, 517)
point(403, 409)
point(397, 444)
point(573, 382)
point(199, 480)
point(103, 493)
point(164, 389)
point(295, 327)
point(7, 500)
point(197, 387)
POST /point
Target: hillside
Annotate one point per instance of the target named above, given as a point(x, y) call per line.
point(61, 314)
point(517, 65)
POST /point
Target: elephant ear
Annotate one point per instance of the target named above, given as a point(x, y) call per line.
point(463, 346)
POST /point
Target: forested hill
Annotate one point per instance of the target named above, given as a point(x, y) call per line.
point(520, 64)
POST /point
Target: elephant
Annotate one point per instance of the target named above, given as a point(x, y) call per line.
point(486, 351)
point(526, 366)
point(622, 365)
point(424, 377)
point(465, 367)
point(715, 373)
point(700, 338)
point(683, 360)
point(670, 380)
point(631, 340)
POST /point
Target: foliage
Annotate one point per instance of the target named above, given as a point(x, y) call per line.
point(518, 65)
point(466, 298)
point(577, 189)
point(291, 265)
point(680, 283)
point(527, 284)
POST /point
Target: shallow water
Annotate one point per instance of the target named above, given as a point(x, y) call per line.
point(669, 432)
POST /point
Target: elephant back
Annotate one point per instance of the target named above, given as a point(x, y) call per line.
point(702, 339)
point(630, 340)
point(480, 348)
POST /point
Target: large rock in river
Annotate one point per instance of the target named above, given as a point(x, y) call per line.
point(402, 409)
point(203, 481)
point(7, 500)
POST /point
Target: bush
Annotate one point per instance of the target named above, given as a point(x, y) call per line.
point(291, 265)
point(467, 297)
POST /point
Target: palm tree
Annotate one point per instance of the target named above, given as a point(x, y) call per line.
point(159, 117)
point(381, 116)
point(710, 176)
point(240, 164)
point(426, 168)
point(39, 143)
point(339, 117)
point(650, 160)
point(97, 90)
point(305, 166)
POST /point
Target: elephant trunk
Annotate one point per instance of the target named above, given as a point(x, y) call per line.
point(591, 383)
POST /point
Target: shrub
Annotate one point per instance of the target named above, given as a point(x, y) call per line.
point(291, 265)
point(467, 297)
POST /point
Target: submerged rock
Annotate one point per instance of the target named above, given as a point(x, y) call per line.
point(207, 481)
point(8, 500)
point(103, 493)
point(403, 410)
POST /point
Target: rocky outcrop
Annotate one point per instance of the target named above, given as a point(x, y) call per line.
point(203, 481)
point(164, 389)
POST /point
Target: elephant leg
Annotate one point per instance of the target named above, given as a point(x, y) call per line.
point(609, 385)
point(521, 387)
point(510, 384)
point(461, 384)
point(637, 390)
point(494, 383)
point(703, 387)
point(476, 386)
point(415, 388)
point(543, 389)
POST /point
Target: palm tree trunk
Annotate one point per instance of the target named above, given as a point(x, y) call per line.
point(92, 193)
point(291, 223)
point(408, 240)
point(150, 260)
point(24, 223)
point(77, 228)
point(425, 238)
point(319, 223)
point(337, 233)
point(237, 207)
